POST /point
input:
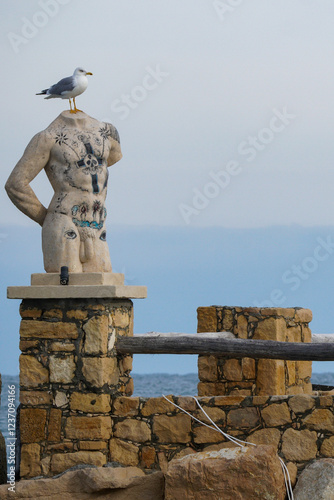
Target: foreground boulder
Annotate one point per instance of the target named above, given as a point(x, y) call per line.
point(316, 481)
point(230, 474)
point(121, 483)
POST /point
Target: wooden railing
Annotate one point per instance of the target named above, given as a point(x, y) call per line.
point(225, 344)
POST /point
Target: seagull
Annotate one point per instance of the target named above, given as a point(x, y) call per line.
point(69, 88)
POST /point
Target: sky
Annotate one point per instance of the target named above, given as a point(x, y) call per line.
point(224, 110)
point(221, 74)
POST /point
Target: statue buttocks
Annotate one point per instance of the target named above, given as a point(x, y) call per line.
point(75, 152)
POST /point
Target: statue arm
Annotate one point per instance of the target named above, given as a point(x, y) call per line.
point(34, 159)
point(115, 153)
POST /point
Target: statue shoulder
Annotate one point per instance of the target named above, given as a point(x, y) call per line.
point(108, 130)
point(40, 142)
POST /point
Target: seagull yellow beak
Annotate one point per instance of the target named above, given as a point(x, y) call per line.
point(89, 73)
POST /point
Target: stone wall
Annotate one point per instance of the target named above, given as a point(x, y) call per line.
point(75, 391)
point(68, 371)
point(150, 432)
point(219, 376)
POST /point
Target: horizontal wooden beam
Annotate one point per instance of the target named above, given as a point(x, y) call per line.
point(218, 345)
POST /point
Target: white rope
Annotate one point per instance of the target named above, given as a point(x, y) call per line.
point(236, 441)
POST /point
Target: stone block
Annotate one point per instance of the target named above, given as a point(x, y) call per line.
point(33, 312)
point(100, 371)
point(25, 345)
point(96, 338)
point(133, 430)
point(123, 452)
point(326, 401)
point(241, 327)
point(54, 426)
point(303, 315)
point(125, 364)
point(216, 414)
point(32, 372)
point(229, 474)
point(60, 462)
point(248, 368)
point(285, 312)
point(294, 334)
point(293, 471)
point(120, 318)
point(79, 314)
point(270, 377)
point(265, 436)
point(327, 447)
point(147, 456)
point(62, 347)
point(30, 464)
point(304, 369)
point(35, 398)
point(232, 370)
point(124, 406)
point(306, 334)
point(276, 415)
point(291, 372)
point(227, 400)
point(295, 390)
point(32, 425)
point(62, 369)
point(320, 420)
point(301, 404)
point(65, 445)
point(228, 321)
point(53, 314)
point(93, 445)
point(172, 429)
point(204, 435)
point(271, 329)
point(97, 427)
point(299, 445)
point(207, 319)
point(90, 402)
point(157, 405)
point(187, 403)
point(48, 330)
point(207, 368)
point(211, 388)
point(243, 418)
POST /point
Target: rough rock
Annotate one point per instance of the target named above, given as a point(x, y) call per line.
point(229, 474)
point(316, 481)
point(122, 483)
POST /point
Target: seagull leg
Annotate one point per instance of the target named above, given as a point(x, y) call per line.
point(71, 110)
point(75, 108)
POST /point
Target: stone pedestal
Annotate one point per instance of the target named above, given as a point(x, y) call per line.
point(221, 376)
point(70, 371)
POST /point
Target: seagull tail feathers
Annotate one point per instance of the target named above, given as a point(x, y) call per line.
point(43, 92)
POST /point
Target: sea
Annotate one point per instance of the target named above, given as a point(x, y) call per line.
point(151, 385)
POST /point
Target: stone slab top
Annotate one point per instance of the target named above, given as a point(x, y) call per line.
point(76, 292)
point(43, 279)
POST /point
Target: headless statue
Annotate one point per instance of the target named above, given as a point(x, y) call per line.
point(75, 151)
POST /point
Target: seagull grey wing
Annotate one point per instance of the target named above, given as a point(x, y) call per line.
point(64, 85)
